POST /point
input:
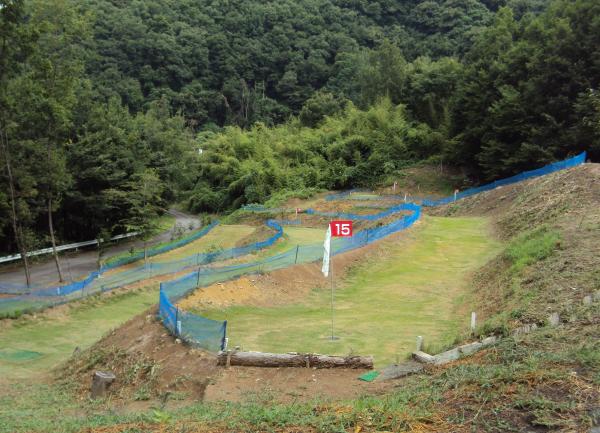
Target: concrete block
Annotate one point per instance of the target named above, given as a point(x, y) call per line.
point(392, 372)
point(587, 300)
point(489, 340)
point(554, 319)
point(423, 358)
point(468, 349)
point(448, 356)
point(525, 329)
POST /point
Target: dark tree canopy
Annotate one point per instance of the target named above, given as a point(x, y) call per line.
point(113, 110)
point(241, 61)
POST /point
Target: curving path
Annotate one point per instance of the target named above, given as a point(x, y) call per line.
point(77, 265)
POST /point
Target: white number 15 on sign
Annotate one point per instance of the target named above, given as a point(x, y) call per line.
point(341, 228)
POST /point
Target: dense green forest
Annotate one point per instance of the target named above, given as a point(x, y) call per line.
point(112, 110)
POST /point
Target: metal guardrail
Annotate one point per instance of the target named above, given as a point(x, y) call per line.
point(14, 257)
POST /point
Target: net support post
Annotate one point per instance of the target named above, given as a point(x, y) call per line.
point(224, 340)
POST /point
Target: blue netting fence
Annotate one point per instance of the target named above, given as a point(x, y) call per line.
point(66, 289)
point(154, 251)
point(366, 217)
point(40, 297)
point(345, 194)
point(550, 168)
point(102, 281)
point(211, 334)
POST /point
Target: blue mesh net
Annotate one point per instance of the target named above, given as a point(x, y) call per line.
point(207, 333)
point(370, 217)
point(36, 297)
point(551, 168)
point(112, 281)
point(150, 252)
point(196, 330)
point(128, 277)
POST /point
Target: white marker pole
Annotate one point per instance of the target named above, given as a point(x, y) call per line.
point(332, 299)
point(327, 269)
point(419, 343)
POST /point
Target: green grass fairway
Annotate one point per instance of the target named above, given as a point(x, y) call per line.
point(293, 236)
point(34, 347)
point(383, 304)
point(222, 236)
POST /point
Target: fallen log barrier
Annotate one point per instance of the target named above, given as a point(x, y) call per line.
point(303, 360)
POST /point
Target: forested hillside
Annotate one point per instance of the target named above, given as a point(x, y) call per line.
point(112, 110)
point(245, 61)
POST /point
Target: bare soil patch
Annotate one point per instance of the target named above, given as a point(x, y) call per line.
point(286, 385)
point(147, 361)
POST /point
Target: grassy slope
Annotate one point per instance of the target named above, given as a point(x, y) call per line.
point(222, 236)
point(293, 236)
point(545, 381)
point(47, 341)
point(384, 304)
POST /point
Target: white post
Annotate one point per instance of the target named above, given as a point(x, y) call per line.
point(404, 197)
point(473, 321)
point(419, 343)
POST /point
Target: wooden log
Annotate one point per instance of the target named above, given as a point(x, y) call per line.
point(101, 381)
point(261, 359)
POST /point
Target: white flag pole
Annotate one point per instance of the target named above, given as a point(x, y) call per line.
point(328, 269)
point(332, 301)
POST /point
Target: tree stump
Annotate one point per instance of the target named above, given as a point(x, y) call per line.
point(101, 381)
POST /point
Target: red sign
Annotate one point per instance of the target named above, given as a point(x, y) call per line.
point(341, 228)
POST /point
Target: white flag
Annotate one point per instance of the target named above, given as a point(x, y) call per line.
point(326, 251)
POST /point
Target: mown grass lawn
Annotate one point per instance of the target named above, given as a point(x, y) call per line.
point(414, 288)
point(220, 237)
point(292, 236)
point(34, 346)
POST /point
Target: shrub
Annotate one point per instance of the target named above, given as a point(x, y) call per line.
point(531, 247)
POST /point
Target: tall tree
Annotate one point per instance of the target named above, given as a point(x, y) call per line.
point(144, 204)
point(15, 46)
point(49, 82)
